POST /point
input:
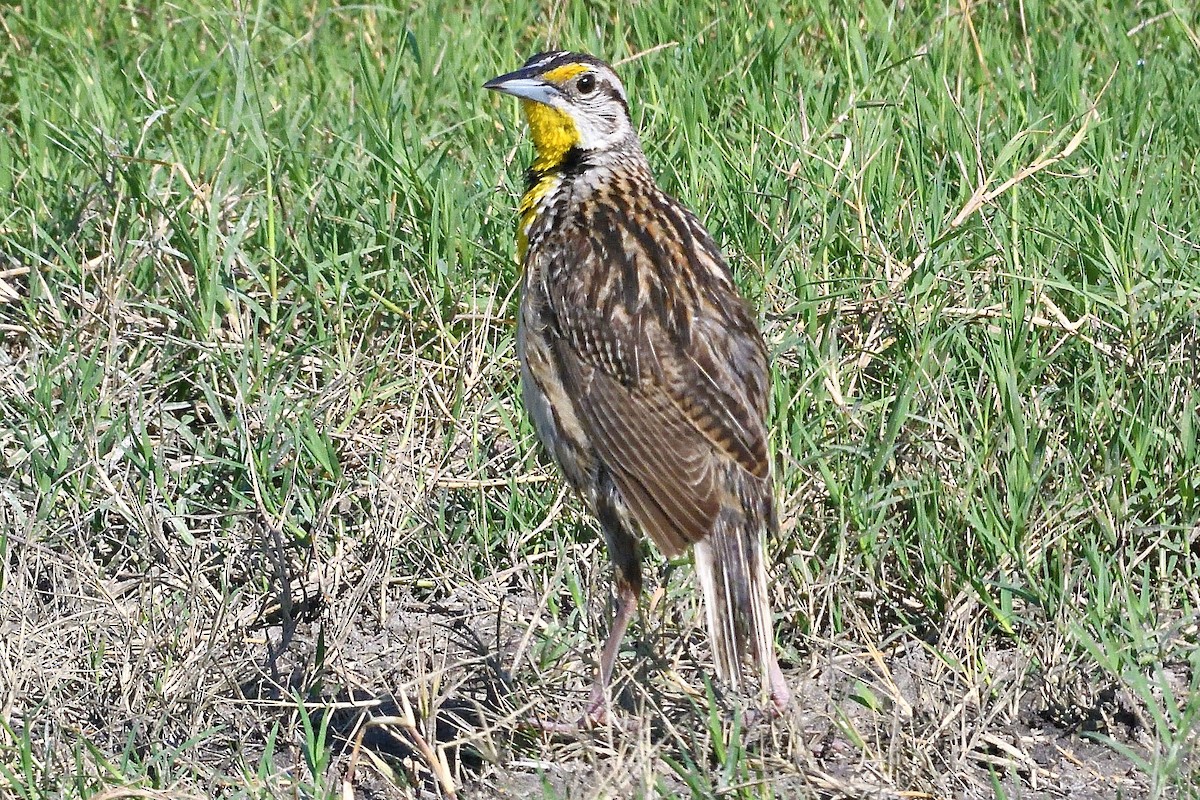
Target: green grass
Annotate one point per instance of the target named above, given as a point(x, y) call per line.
point(258, 395)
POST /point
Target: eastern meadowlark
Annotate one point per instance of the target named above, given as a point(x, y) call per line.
point(641, 366)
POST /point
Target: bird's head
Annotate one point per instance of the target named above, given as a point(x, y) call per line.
point(572, 101)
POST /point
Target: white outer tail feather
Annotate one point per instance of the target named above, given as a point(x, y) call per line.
point(725, 560)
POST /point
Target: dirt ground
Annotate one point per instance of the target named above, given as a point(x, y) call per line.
point(893, 722)
point(188, 676)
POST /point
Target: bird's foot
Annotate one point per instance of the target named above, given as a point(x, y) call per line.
point(592, 719)
point(781, 698)
point(595, 716)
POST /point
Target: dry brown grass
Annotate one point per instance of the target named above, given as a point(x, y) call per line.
point(186, 642)
point(272, 523)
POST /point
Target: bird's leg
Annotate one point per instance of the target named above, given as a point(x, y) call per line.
point(781, 694)
point(596, 713)
point(627, 601)
point(626, 553)
point(776, 687)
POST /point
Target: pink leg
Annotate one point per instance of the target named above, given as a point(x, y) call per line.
point(626, 553)
point(781, 695)
point(596, 713)
point(597, 708)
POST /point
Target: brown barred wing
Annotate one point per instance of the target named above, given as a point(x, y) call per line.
point(672, 397)
point(664, 467)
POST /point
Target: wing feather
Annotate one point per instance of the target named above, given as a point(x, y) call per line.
point(672, 434)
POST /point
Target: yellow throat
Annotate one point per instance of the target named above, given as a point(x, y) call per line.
point(554, 134)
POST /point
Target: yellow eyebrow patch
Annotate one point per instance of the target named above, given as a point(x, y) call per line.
point(564, 73)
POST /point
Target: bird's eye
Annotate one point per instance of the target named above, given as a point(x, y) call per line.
point(586, 84)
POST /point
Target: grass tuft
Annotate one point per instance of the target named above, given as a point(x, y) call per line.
point(273, 523)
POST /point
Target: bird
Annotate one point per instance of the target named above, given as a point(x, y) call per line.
point(642, 368)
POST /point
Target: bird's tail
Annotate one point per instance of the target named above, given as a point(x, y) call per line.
point(733, 578)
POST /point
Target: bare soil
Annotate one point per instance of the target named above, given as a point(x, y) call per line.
point(191, 670)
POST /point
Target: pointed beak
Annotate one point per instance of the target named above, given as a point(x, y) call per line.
point(524, 84)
